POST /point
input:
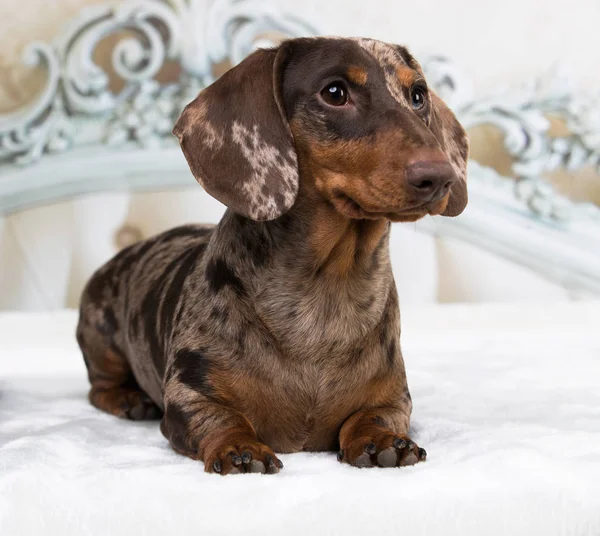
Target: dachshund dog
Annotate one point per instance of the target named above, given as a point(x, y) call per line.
point(278, 329)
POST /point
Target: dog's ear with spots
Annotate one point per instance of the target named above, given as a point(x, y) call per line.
point(237, 140)
point(454, 142)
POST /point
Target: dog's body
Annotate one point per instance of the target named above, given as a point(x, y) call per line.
point(280, 334)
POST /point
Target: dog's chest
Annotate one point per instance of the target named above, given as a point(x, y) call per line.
point(308, 402)
point(321, 360)
point(312, 321)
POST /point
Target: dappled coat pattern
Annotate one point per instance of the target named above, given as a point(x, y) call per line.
point(278, 330)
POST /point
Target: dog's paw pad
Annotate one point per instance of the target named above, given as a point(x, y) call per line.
point(248, 457)
point(388, 457)
point(257, 467)
point(364, 460)
point(384, 450)
point(409, 459)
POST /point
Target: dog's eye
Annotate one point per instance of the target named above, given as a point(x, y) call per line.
point(335, 94)
point(417, 97)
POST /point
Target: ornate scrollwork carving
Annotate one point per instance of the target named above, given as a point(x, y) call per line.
point(42, 126)
point(523, 117)
point(77, 96)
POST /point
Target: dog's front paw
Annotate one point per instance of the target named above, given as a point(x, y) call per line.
point(386, 450)
point(245, 456)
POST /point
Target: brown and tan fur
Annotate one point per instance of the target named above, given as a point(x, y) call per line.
point(278, 330)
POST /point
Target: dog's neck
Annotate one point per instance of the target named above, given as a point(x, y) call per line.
point(313, 238)
point(311, 264)
point(333, 244)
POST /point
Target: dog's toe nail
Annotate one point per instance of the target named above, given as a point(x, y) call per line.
point(246, 457)
point(388, 457)
point(364, 460)
point(236, 460)
point(256, 467)
point(422, 454)
point(371, 448)
point(410, 445)
point(271, 466)
point(217, 466)
point(340, 455)
point(279, 464)
point(399, 443)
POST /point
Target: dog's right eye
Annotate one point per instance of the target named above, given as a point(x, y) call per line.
point(335, 94)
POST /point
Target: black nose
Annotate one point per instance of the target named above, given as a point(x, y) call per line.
point(429, 180)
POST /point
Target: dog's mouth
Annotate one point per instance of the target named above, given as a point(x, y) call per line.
point(351, 208)
point(437, 208)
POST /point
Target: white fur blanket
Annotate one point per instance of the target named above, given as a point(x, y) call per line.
point(507, 404)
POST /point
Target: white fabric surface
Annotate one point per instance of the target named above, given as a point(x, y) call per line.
point(507, 404)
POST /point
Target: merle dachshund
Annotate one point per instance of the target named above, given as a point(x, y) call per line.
point(278, 329)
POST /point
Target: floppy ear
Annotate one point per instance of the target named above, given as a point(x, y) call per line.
point(237, 140)
point(454, 142)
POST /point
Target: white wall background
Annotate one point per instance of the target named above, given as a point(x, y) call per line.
point(497, 43)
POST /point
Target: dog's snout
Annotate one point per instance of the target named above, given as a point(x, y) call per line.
point(429, 180)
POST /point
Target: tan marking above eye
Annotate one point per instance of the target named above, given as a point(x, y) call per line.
point(357, 75)
point(406, 75)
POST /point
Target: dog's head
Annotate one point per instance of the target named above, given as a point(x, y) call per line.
point(354, 115)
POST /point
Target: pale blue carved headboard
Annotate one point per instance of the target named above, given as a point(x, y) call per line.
point(79, 137)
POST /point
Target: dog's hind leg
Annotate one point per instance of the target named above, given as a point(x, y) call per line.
point(113, 385)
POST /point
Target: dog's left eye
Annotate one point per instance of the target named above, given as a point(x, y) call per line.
point(335, 94)
point(417, 97)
